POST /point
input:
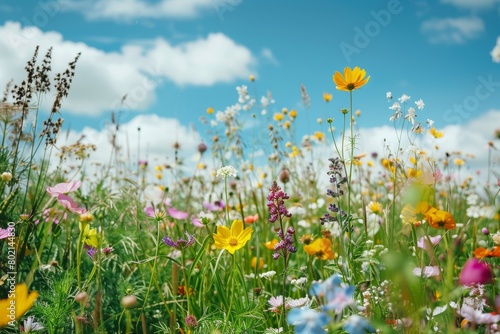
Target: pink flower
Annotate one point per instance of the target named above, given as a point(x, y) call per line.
point(5, 233)
point(428, 271)
point(215, 206)
point(424, 241)
point(63, 188)
point(196, 221)
point(475, 272)
point(174, 213)
point(150, 212)
point(68, 203)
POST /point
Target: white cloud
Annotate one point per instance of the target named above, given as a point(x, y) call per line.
point(470, 139)
point(452, 30)
point(495, 53)
point(154, 142)
point(471, 4)
point(126, 10)
point(102, 78)
point(267, 54)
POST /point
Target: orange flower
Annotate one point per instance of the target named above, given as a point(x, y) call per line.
point(480, 252)
point(321, 248)
point(251, 219)
point(270, 244)
point(351, 80)
point(254, 263)
point(440, 218)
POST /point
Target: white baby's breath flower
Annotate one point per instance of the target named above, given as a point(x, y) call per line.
point(388, 95)
point(226, 171)
point(268, 274)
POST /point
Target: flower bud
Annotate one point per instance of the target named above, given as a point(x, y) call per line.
point(6, 176)
point(129, 301)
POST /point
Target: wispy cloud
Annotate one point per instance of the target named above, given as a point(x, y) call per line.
point(137, 69)
point(452, 30)
point(127, 10)
point(472, 4)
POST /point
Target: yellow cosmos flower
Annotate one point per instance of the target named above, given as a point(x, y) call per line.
point(89, 235)
point(278, 116)
point(321, 248)
point(415, 215)
point(293, 113)
point(435, 133)
point(17, 304)
point(440, 218)
point(327, 97)
point(234, 238)
point(351, 80)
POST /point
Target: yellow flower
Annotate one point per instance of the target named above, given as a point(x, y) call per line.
point(319, 136)
point(234, 239)
point(293, 113)
point(201, 165)
point(375, 207)
point(327, 97)
point(251, 77)
point(89, 235)
point(459, 162)
point(321, 248)
point(441, 218)
point(159, 176)
point(254, 263)
point(17, 304)
point(415, 215)
point(270, 244)
point(358, 112)
point(352, 79)
point(86, 217)
point(210, 110)
point(287, 125)
point(278, 116)
point(158, 168)
point(436, 133)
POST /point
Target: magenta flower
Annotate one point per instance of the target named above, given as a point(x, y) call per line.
point(475, 272)
point(63, 188)
point(68, 203)
point(177, 214)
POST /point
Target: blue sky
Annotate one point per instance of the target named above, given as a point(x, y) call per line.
point(178, 57)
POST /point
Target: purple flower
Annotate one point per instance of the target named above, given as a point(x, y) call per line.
point(181, 243)
point(215, 206)
point(91, 252)
point(475, 272)
point(276, 203)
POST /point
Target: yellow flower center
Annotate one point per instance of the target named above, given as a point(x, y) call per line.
point(233, 242)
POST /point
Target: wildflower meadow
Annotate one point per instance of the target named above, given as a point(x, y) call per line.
point(311, 236)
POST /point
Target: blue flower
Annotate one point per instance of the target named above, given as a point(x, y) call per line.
point(307, 321)
point(358, 325)
point(335, 295)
